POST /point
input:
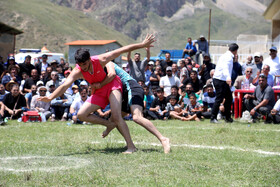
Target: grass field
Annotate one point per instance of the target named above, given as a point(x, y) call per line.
point(203, 154)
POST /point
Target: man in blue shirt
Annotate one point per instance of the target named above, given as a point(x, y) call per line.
point(190, 48)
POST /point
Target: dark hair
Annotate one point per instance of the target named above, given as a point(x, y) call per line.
point(82, 55)
point(154, 87)
point(174, 86)
point(82, 89)
point(28, 56)
point(233, 47)
point(137, 54)
point(172, 97)
point(192, 95)
point(263, 76)
point(159, 90)
point(167, 53)
point(60, 65)
point(145, 86)
point(44, 56)
point(193, 71)
point(209, 86)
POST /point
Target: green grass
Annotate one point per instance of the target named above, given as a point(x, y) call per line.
point(55, 154)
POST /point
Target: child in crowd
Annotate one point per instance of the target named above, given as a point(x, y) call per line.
point(174, 109)
point(194, 109)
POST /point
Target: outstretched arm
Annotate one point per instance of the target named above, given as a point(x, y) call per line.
point(106, 57)
point(74, 75)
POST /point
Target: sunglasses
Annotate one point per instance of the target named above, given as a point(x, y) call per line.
point(249, 72)
point(266, 68)
point(168, 71)
point(43, 90)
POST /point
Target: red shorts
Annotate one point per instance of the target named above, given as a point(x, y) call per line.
point(101, 96)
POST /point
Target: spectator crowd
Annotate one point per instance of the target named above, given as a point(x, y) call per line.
point(179, 90)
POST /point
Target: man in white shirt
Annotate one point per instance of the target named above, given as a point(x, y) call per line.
point(168, 80)
point(77, 104)
point(274, 115)
point(273, 62)
point(222, 83)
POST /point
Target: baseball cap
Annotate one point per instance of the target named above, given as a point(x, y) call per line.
point(67, 71)
point(151, 63)
point(41, 87)
point(124, 65)
point(201, 36)
point(39, 83)
point(44, 56)
point(169, 68)
point(257, 54)
point(83, 83)
point(206, 54)
point(273, 48)
point(11, 58)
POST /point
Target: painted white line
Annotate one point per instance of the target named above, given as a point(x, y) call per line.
point(205, 147)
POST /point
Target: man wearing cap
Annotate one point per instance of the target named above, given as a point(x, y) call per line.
point(11, 61)
point(202, 47)
point(136, 66)
point(257, 60)
point(41, 106)
point(42, 66)
point(262, 101)
point(205, 68)
point(222, 83)
point(54, 64)
point(273, 62)
point(168, 81)
point(26, 66)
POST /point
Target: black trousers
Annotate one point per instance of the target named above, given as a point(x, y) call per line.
point(222, 92)
point(273, 118)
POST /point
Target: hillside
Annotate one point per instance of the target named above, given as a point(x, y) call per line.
point(58, 21)
point(45, 22)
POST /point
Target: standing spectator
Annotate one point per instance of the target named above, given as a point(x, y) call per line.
point(31, 81)
point(2, 67)
point(42, 66)
point(222, 83)
point(11, 61)
point(265, 71)
point(242, 78)
point(250, 63)
point(41, 106)
point(257, 60)
point(156, 76)
point(167, 81)
point(166, 63)
point(148, 72)
point(54, 64)
point(26, 66)
point(205, 68)
point(210, 80)
point(3, 92)
point(203, 47)
point(190, 48)
point(262, 101)
point(54, 80)
point(184, 73)
point(236, 69)
point(197, 84)
point(30, 95)
point(62, 63)
point(11, 75)
point(14, 102)
point(274, 115)
point(137, 67)
point(273, 62)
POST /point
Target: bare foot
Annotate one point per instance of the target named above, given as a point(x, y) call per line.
point(166, 145)
point(130, 151)
point(108, 129)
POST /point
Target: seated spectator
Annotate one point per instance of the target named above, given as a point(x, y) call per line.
point(54, 64)
point(14, 102)
point(11, 61)
point(175, 92)
point(243, 79)
point(262, 101)
point(190, 48)
point(60, 107)
point(210, 80)
point(10, 84)
point(69, 90)
point(155, 77)
point(2, 111)
point(51, 90)
point(60, 74)
point(186, 91)
point(30, 95)
point(39, 83)
point(274, 115)
point(3, 92)
point(169, 80)
point(175, 71)
point(193, 109)
point(157, 110)
point(31, 81)
point(22, 82)
point(148, 99)
point(47, 77)
point(184, 73)
point(104, 113)
point(251, 64)
point(11, 75)
point(236, 69)
point(54, 80)
point(265, 71)
point(257, 60)
point(205, 68)
point(174, 110)
point(197, 84)
point(208, 101)
point(141, 83)
point(77, 104)
point(41, 106)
